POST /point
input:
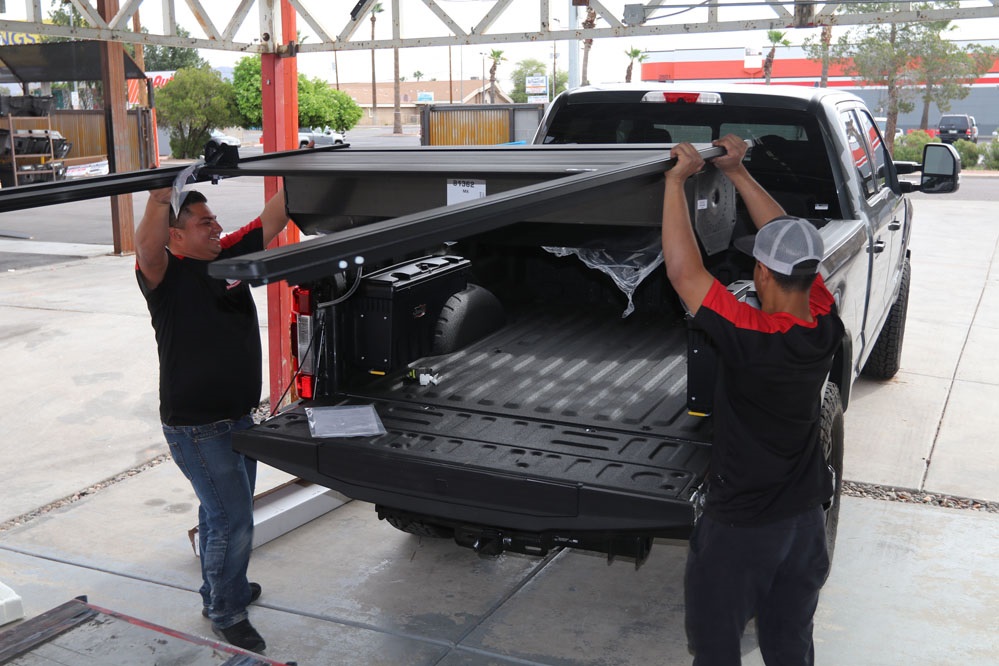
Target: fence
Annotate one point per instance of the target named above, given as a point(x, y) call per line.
point(478, 124)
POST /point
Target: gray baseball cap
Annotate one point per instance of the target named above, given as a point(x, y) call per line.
point(786, 245)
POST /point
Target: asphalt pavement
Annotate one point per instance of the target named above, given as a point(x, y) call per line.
point(92, 505)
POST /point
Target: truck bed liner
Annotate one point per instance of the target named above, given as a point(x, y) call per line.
point(570, 421)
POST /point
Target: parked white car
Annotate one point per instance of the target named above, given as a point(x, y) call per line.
point(883, 126)
point(222, 137)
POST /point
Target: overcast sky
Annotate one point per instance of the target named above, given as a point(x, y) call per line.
point(607, 61)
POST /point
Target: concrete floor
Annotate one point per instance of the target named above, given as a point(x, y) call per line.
point(910, 582)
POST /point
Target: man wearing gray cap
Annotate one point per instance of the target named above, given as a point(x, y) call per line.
point(759, 548)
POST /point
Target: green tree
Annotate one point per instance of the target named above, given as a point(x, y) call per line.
point(322, 106)
point(418, 75)
point(249, 98)
point(346, 112)
point(946, 71)
point(64, 14)
point(318, 104)
point(532, 67)
point(776, 38)
point(633, 55)
point(496, 56)
point(881, 54)
point(194, 102)
point(166, 58)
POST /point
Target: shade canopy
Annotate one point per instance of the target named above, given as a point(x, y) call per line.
point(57, 61)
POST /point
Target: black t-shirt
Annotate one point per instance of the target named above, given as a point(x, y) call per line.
point(766, 462)
point(207, 337)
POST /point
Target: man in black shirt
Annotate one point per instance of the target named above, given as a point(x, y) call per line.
point(208, 341)
point(759, 549)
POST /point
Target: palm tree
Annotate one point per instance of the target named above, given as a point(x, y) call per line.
point(375, 9)
point(776, 38)
point(589, 23)
point(497, 57)
point(418, 75)
point(633, 55)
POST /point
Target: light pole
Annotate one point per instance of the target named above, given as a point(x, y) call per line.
point(554, 60)
point(484, 56)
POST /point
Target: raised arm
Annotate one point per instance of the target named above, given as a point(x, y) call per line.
point(151, 237)
point(761, 206)
point(274, 217)
point(682, 256)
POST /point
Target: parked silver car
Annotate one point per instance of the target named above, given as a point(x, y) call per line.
point(309, 138)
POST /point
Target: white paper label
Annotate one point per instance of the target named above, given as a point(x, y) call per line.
point(702, 204)
point(464, 189)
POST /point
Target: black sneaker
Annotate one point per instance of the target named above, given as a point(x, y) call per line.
point(255, 591)
point(242, 635)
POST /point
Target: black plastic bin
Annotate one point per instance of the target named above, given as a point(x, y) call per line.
point(26, 105)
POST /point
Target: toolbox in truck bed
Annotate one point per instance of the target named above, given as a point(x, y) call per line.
point(395, 310)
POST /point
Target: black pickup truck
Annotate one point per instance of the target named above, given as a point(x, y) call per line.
point(504, 313)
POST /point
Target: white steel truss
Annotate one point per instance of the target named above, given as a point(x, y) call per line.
point(219, 22)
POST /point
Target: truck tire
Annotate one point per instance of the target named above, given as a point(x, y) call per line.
point(831, 441)
point(466, 317)
point(886, 356)
point(420, 528)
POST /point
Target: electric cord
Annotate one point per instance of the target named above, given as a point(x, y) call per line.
point(321, 329)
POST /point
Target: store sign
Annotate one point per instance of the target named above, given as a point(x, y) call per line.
point(536, 85)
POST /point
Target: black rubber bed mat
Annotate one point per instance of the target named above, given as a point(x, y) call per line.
point(574, 420)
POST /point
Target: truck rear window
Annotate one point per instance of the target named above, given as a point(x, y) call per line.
point(635, 122)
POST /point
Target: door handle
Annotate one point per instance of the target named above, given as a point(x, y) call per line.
point(877, 247)
point(894, 225)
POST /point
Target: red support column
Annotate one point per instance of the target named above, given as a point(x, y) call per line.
point(279, 86)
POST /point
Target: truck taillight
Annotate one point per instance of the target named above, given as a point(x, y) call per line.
point(301, 342)
point(672, 97)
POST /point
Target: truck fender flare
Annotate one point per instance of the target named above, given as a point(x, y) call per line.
point(841, 374)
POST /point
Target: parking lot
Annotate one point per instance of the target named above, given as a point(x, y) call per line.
point(91, 504)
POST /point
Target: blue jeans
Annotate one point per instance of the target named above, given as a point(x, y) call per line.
point(223, 480)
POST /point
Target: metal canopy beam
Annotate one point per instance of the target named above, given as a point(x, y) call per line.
point(335, 28)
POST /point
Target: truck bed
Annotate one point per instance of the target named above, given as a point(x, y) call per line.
point(559, 421)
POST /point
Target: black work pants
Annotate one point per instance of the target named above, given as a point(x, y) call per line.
point(773, 571)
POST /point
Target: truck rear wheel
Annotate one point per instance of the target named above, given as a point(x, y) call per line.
point(831, 441)
point(886, 357)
